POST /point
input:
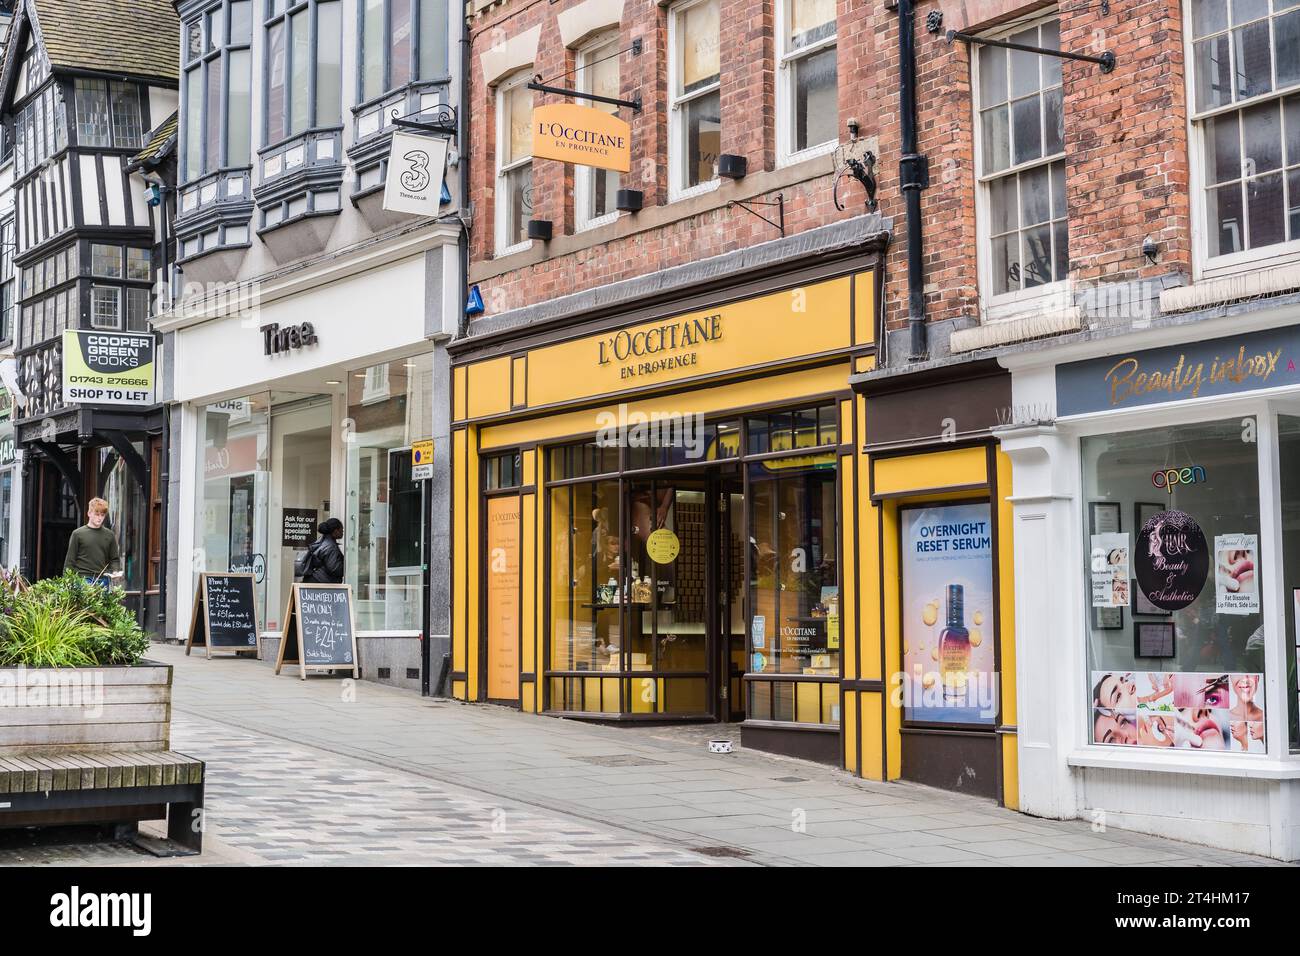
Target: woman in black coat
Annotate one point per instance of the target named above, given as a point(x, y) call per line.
point(326, 558)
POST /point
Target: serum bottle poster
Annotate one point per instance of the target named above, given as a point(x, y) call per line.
point(948, 661)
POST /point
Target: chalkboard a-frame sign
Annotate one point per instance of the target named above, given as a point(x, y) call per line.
point(225, 615)
point(320, 630)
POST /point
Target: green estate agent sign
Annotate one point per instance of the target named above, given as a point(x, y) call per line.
point(108, 368)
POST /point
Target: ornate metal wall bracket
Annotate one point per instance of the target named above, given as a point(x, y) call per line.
point(440, 119)
point(748, 204)
point(864, 171)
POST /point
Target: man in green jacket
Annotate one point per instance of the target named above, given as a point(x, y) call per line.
point(93, 551)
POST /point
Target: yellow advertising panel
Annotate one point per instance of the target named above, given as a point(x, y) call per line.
point(582, 135)
point(778, 328)
point(503, 598)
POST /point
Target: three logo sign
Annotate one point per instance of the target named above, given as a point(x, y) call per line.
point(417, 178)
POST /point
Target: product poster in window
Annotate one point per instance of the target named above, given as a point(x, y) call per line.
point(1110, 570)
point(1236, 578)
point(1203, 711)
point(948, 637)
point(1172, 560)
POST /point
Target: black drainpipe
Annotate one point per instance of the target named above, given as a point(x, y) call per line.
point(913, 176)
point(462, 147)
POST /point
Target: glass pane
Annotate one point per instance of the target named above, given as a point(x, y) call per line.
point(1006, 263)
point(697, 46)
point(277, 63)
point(1027, 133)
point(433, 39)
point(239, 130)
point(213, 158)
point(193, 39)
point(828, 425)
point(1223, 148)
point(810, 21)
point(519, 198)
point(1209, 16)
point(997, 141)
point(993, 75)
point(1003, 205)
point(816, 105)
point(372, 49)
point(137, 264)
point(703, 139)
point(1060, 250)
point(300, 58)
point(383, 538)
point(1024, 66)
point(1254, 68)
point(1213, 72)
point(1291, 122)
point(1051, 40)
point(1286, 48)
point(794, 581)
point(1038, 256)
point(518, 103)
point(1267, 220)
point(1035, 196)
point(329, 63)
point(1059, 207)
point(105, 261)
point(400, 18)
point(1261, 129)
point(1293, 209)
point(1246, 10)
point(193, 124)
point(1053, 122)
point(1224, 211)
point(92, 115)
point(241, 21)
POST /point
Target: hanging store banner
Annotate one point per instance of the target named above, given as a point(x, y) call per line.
point(583, 135)
point(416, 165)
point(108, 368)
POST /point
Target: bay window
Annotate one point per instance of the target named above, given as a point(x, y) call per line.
point(595, 189)
point(514, 192)
point(217, 89)
point(402, 41)
point(1246, 122)
point(40, 129)
point(304, 66)
point(1024, 237)
point(807, 90)
point(695, 126)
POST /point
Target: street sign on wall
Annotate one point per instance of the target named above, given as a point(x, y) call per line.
point(422, 460)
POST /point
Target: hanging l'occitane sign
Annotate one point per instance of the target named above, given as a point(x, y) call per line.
point(582, 135)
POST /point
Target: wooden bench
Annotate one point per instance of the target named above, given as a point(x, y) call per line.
point(121, 787)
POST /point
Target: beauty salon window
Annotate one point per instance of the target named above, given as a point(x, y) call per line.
point(1172, 581)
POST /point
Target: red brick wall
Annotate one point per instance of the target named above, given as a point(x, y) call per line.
point(1125, 143)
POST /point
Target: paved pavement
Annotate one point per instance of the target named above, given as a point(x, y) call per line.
point(328, 771)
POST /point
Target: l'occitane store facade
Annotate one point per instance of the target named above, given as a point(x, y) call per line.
point(666, 515)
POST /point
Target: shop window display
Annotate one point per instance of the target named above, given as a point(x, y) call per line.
point(1172, 579)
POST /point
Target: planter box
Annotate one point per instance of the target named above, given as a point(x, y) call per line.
point(85, 709)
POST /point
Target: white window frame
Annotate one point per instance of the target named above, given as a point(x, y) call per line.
point(676, 191)
point(786, 118)
point(1016, 304)
point(1248, 260)
point(584, 177)
point(502, 215)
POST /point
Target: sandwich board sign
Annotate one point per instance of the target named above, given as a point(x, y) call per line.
point(320, 630)
point(225, 615)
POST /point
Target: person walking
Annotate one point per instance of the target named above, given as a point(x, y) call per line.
point(324, 558)
point(92, 550)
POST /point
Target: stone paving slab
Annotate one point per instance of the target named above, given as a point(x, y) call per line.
point(665, 800)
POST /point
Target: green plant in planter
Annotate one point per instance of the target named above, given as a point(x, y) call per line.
point(59, 621)
point(46, 635)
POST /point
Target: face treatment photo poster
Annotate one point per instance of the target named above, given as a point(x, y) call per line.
point(948, 635)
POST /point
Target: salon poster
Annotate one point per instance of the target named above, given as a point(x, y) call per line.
point(947, 567)
point(1204, 711)
point(1236, 581)
point(1110, 570)
point(1172, 560)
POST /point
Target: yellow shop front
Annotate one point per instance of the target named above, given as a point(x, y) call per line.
point(654, 512)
